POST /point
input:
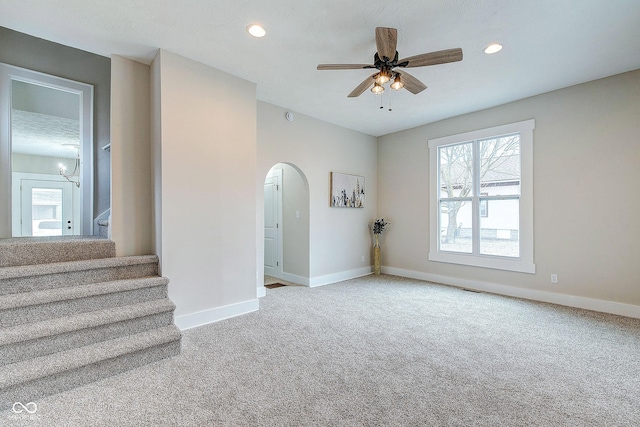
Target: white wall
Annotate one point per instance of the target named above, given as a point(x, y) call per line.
point(295, 228)
point(339, 237)
point(130, 157)
point(206, 141)
point(586, 212)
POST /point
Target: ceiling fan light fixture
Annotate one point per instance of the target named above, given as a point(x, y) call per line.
point(493, 48)
point(397, 83)
point(383, 77)
point(386, 62)
point(377, 88)
point(256, 30)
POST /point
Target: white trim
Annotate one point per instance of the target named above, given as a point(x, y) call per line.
point(295, 279)
point(339, 277)
point(486, 261)
point(5, 153)
point(201, 318)
point(507, 129)
point(85, 91)
point(523, 264)
point(611, 307)
point(261, 292)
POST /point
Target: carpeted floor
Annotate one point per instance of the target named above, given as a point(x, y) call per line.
point(377, 351)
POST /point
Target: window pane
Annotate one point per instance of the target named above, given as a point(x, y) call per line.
point(500, 166)
point(499, 234)
point(46, 211)
point(456, 169)
point(455, 226)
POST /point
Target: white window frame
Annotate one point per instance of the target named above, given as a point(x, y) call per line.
point(524, 263)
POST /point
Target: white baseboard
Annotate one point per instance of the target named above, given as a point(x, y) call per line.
point(611, 307)
point(339, 277)
point(295, 279)
point(261, 292)
point(323, 280)
point(200, 318)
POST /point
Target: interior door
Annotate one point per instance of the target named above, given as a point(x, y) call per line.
point(46, 208)
point(272, 187)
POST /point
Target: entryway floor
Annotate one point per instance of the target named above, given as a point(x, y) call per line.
point(270, 280)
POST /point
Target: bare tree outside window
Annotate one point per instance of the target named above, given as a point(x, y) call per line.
point(498, 174)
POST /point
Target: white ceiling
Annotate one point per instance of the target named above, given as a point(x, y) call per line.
point(44, 121)
point(548, 44)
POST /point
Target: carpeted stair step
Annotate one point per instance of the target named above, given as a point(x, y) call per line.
point(44, 250)
point(37, 339)
point(32, 379)
point(37, 306)
point(39, 277)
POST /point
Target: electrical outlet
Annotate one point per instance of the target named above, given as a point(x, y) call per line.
point(554, 278)
point(362, 259)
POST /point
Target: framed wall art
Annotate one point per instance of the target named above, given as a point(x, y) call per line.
point(347, 191)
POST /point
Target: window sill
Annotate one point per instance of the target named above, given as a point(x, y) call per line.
point(497, 263)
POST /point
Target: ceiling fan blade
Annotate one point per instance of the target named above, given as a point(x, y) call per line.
point(386, 42)
point(432, 58)
point(362, 87)
point(411, 84)
point(343, 66)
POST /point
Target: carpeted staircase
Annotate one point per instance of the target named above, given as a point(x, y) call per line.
point(73, 313)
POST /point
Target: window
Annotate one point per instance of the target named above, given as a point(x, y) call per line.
point(484, 206)
point(470, 172)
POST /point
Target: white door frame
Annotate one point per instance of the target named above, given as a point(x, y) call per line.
point(8, 73)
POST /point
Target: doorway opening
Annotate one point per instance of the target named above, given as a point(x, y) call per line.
point(286, 225)
point(46, 154)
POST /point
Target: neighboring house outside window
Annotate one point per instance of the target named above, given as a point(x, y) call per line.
point(484, 206)
point(482, 198)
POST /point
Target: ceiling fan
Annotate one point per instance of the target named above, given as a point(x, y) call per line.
point(386, 62)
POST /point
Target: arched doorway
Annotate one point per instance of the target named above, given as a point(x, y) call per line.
point(286, 224)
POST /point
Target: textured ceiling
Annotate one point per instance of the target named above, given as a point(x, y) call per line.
point(44, 135)
point(548, 44)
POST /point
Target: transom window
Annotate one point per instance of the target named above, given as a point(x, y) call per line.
point(481, 198)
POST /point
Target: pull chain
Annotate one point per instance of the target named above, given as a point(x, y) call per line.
point(381, 104)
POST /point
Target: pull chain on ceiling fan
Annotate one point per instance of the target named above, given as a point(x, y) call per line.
point(386, 62)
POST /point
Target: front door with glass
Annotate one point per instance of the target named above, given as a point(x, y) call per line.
point(46, 208)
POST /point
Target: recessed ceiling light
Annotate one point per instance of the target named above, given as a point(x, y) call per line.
point(256, 30)
point(493, 48)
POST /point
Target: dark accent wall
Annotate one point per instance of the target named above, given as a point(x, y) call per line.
point(22, 50)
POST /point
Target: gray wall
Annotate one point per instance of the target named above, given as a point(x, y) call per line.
point(339, 238)
point(586, 210)
point(36, 54)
